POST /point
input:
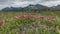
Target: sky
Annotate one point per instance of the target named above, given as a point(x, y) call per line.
point(23, 3)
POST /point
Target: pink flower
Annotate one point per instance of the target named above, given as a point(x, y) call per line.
point(42, 17)
point(1, 23)
point(51, 19)
point(22, 17)
point(16, 17)
point(29, 16)
point(25, 28)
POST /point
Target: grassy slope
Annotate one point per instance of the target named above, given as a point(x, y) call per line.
point(8, 16)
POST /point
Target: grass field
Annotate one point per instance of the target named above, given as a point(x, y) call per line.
point(46, 22)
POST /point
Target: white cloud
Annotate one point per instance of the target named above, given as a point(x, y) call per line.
point(47, 3)
point(22, 3)
point(51, 3)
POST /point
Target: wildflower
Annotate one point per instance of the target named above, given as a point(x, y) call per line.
point(1, 23)
point(29, 16)
point(42, 17)
point(22, 17)
point(51, 19)
point(16, 17)
point(25, 28)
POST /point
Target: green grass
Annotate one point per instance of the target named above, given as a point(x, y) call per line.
point(11, 26)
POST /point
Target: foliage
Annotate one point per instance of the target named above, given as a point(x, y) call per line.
point(29, 23)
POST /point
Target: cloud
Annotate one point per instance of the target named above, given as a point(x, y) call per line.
point(37, 0)
point(51, 3)
point(22, 3)
point(5, 2)
point(48, 3)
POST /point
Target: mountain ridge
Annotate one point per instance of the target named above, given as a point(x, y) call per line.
point(31, 7)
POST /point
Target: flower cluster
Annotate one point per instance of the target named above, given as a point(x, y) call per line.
point(1, 23)
point(51, 19)
point(35, 17)
point(30, 23)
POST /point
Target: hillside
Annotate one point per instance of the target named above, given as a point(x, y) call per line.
point(31, 7)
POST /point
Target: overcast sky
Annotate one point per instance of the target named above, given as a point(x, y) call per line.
point(22, 3)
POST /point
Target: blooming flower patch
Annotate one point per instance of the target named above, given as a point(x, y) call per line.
point(30, 24)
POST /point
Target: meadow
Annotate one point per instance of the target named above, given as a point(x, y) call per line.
point(44, 22)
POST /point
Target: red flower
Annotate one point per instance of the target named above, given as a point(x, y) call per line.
point(29, 16)
point(1, 23)
point(16, 17)
point(42, 17)
point(51, 19)
point(22, 17)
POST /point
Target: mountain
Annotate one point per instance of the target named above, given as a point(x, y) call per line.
point(12, 9)
point(55, 7)
point(29, 7)
point(36, 7)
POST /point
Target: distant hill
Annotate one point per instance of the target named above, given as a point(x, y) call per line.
point(36, 7)
point(31, 7)
point(12, 9)
point(55, 7)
